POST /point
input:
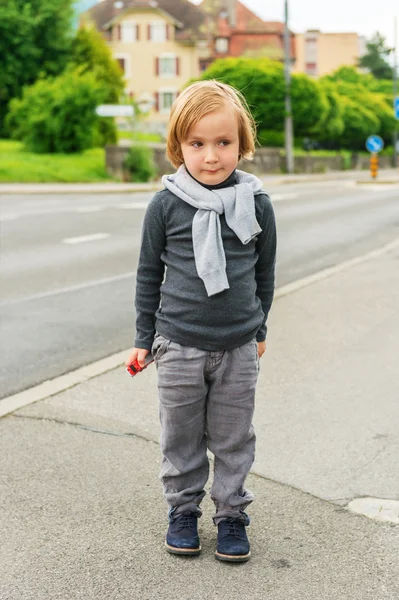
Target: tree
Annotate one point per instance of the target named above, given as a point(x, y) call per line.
point(58, 114)
point(92, 55)
point(262, 83)
point(35, 39)
point(333, 124)
point(374, 60)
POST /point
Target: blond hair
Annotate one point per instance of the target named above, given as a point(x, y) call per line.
point(196, 101)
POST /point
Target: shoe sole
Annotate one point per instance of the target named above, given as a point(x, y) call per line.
point(232, 557)
point(183, 551)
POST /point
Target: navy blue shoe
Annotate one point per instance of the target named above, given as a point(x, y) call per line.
point(182, 536)
point(233, 544)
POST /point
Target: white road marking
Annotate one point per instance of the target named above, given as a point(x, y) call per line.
point(72, 288)
point(59, 384)
point(89, 209)
point(10, 217)
point(279, 197)
point(133, 206)
point(86, 238)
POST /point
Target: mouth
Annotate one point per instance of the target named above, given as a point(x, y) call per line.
point(209, 171)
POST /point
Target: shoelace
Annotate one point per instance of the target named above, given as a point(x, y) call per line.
point(186, 522)
point(233, 528)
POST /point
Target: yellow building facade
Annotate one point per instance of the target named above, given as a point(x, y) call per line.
point(319, 54)
point(155, 64)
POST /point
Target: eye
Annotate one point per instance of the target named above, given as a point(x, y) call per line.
point(224, 142)
point(196, 144)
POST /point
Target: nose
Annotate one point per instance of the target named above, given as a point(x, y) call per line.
point(211, 156)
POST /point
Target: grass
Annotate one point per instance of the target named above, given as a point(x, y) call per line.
point(19, 166)
point(139, 136)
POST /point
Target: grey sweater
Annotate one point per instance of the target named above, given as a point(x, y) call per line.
point(174, 302)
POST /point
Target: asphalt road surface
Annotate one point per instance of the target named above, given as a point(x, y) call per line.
point(68, 264)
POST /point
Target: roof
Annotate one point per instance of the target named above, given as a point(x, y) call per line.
point(247, 22)
point(189, 19)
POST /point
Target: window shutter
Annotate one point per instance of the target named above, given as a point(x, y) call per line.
point(157, 66)
point(137, 33)
point(148, 32)
point(157, 101)
point(118, 33)
point(177, 66)
point(121, 62)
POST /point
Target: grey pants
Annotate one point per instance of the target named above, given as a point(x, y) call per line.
point(206, 401)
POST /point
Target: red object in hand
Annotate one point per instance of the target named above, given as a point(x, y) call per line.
point(135, 368)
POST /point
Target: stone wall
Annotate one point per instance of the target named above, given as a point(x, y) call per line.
point(359, 161)
point(266, 161)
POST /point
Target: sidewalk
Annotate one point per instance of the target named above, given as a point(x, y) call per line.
point(385, 176)
point(82, 513)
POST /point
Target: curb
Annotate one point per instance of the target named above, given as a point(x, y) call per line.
point(111, 188)
point(73, 188)
point(381, 182)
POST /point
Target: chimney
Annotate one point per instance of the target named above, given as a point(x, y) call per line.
point(231, 11)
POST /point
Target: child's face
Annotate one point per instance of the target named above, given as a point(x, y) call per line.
point(211, 149)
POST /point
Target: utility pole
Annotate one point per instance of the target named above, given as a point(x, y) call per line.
point(395, 89)
point(288, 126)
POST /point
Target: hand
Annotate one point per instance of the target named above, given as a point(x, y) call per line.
point(261, 348)
point(139, 354)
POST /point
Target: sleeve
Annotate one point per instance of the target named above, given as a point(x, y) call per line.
point(150, 273)
point(265, 267)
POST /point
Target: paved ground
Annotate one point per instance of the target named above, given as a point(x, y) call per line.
point(67, 264)
point(82, 513)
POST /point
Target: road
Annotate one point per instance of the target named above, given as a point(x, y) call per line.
point(68, 264)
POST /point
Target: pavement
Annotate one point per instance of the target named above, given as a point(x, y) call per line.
point(82, 514)
point(386, 176)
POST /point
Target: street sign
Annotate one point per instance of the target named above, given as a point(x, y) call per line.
point(115, 110)
point(374, 143)
point(396, 107)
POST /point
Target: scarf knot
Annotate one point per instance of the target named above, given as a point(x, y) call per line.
point(238, 205)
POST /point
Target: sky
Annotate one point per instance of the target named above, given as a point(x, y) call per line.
point(361, 16)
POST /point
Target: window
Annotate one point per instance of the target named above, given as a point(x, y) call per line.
point(165, 99)
point(168, 65)
point(157, 31)
point(128, 31)
point(311, 69)
point(222, 45)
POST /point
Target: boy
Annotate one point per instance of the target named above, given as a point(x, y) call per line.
point(205, 284)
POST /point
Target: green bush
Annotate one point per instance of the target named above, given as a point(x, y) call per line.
point(58, 115)
point(271, 139)
point(140, 164)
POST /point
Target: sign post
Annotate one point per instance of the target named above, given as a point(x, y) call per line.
point(374, 145)
point(115, 110)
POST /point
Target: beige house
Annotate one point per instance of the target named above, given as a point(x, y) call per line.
point(320, 53)
point(158, 45)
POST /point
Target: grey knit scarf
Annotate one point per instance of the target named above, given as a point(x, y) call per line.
point(238, 205)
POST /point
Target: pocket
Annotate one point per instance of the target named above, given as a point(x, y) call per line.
point(257, 355)
point(159, 347)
